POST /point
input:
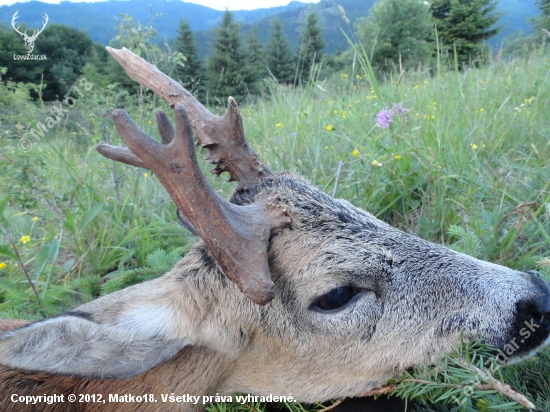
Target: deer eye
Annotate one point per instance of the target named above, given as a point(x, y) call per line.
point(335, 299)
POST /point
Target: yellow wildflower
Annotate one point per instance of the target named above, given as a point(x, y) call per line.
point(35, 219)
point(329, 128)
point(375, 163)
point(416, 87)
point(474, 146)
point(279, 125)
point(397, 157)
point(145, 174)
point(25, 239)
point(355, 152)
point(3, 265)
point(481, 110)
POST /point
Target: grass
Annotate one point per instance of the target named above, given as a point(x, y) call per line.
point(471, 151)
point(466, 166)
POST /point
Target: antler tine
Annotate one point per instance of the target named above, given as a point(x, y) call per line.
point(223, 137)
point(124, 155)
point(236, 236)
point(166, 129)
point(120, 154)
point(13, 20)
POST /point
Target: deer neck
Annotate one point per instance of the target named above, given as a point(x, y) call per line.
point(195, 371)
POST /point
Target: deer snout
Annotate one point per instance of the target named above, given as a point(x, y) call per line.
point(531, 329)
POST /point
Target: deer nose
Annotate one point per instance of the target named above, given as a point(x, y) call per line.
point(541, 300)
point(532, 321)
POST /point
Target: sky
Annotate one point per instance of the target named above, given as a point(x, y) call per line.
point(215, 4)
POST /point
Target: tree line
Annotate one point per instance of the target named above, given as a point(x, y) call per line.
point(396, 34)
point(236, 68)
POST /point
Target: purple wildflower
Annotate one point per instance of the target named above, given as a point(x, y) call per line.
point(384, 118)
point(399, 109)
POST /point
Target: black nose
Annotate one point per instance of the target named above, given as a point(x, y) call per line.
point(541, 300)
point(532, 321)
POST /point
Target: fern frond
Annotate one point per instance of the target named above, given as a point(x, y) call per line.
point(129, 278)
point(468, 242)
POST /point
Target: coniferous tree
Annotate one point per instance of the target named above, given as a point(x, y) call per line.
point(544, 6)
point(191, 74)
point(396, 29)
point(465, 24)
point(311, 47)
point(225, 69)
point(278, 57)
point(543, 21)
point(255, 62)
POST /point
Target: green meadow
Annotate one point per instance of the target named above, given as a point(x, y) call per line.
point(466, 166)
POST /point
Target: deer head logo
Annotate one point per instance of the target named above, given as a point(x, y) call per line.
point(29, 39)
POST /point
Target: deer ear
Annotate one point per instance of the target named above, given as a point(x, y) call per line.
point(115, 338)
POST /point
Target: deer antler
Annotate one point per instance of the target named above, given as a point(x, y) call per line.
point(37, 32)
point(236, 236)
point(223, 137)
point(15, 17)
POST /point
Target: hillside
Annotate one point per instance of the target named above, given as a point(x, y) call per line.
point(516, 13)
point(293, 20)
point(99, 19)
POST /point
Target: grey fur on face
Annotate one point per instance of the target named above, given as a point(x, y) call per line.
point(356, 301)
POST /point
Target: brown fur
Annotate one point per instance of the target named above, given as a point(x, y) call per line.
point(414, 301)
point(9, 324)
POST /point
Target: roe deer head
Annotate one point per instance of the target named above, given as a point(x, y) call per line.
point(290, 291)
